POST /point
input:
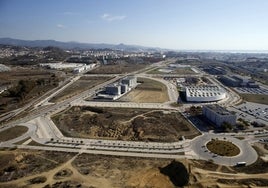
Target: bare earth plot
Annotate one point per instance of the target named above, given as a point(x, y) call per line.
point(117, 69)
point(124, 124)
point(83, 84)
point(148, 91)
point(23, 168)
point(18, 164)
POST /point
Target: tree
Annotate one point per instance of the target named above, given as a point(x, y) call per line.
point(226, 126)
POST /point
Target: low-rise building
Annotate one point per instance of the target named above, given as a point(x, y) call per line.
point(124, 88)
point(219, 115)
point(238, 81)
point(207, 93)
point(113, 89)
point(117, 89)
point(131, 81)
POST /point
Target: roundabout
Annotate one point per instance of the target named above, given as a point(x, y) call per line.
point(223, 150)
point(25, 131)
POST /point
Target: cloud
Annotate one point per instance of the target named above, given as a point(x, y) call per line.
point(61, 26)
point(108, 17)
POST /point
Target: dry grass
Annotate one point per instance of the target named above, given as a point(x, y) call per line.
point(148, 91)
point(257, 98)
point(12, 133)
point(223, 148)
point(20, 163)
point(124, 124)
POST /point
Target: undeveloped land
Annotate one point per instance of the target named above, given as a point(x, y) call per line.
point(12, 133)
point(182, 71)
point(124, 124)
point(117, 68)
point(24, 168)
point(83, 84)
point(26, 84)
point(20, 163)
point(257, 98)
point(148, 91)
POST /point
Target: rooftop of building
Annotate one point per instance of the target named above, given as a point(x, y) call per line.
point(204, 91)
point(219, 110)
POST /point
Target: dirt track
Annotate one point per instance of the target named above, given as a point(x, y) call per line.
point(85, 170)
point(124, 124)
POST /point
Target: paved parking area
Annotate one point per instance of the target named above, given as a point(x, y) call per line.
point(259, 111)
point(247, 90)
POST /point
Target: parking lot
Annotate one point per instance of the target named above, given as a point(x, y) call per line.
point(247, 90)
point(259, 111)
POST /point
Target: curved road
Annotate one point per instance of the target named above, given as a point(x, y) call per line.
point(247, 153)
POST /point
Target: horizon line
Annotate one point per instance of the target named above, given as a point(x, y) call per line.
point(161, 48)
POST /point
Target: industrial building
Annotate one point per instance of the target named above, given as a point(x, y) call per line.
point(219, 115)
point(207, 93)
point(77, 67)
point(238, 81)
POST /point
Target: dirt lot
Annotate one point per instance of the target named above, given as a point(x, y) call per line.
point(122, 171)
point(117, 69)
point(19, 163)
point(148, 91)
point(83, 84)
point(53, 169)
point(124, 124)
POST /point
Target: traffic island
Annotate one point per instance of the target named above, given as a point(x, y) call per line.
point(222, 148)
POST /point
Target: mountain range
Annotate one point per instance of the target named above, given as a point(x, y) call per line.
point(73, 45)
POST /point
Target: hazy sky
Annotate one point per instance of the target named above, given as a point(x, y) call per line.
point(173, 24)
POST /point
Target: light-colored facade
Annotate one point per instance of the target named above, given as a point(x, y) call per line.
point(131, 81)
point(219, 115)
point(124, 88)
point(208, 93)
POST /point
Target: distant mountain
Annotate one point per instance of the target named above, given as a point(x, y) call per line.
point(72, 45)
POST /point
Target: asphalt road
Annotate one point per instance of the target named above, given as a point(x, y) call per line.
point(247, 153)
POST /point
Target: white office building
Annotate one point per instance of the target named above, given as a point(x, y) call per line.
point(219, 115)
point(131, 81)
